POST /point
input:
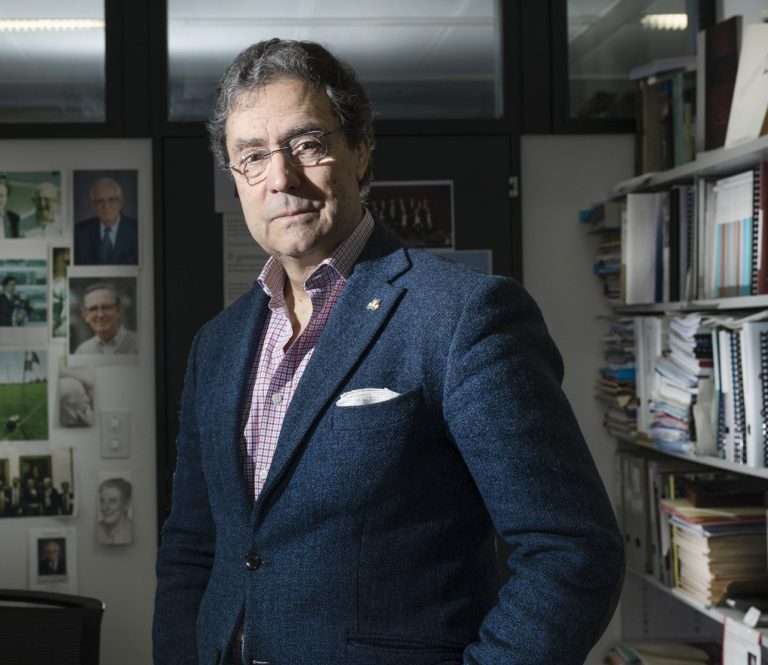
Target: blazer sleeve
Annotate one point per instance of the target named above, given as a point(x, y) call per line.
point(506, 413)
point(185, 557)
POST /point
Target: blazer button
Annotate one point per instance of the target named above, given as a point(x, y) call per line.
point(252, 561)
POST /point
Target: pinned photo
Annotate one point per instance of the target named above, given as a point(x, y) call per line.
point(31, 205)
point(53, 560)
point(23, 395)
point(115, 509)
point(23, 293)
point(74, 396)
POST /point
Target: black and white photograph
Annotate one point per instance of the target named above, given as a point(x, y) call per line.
point(53, 559)
point(31, 205)
point(24, 395)
point(114, 524)
point(23, 293)
point(61, 257)
point(103, 317)
point(418, 212)
point(45, 483)
point(74, 396)
point(105, 207)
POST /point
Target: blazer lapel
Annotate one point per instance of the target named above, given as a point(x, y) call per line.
point(227, 405)
point(348, 334)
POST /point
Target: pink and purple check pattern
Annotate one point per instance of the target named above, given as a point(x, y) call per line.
point(277, 371)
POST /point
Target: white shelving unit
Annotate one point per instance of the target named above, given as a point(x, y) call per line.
point(716, 163)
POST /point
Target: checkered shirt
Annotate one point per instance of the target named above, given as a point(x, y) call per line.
point(276, 373)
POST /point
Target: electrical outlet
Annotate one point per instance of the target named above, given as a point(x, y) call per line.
point(115, 434)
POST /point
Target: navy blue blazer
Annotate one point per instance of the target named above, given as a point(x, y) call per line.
point(88, 240)
point(372, 541)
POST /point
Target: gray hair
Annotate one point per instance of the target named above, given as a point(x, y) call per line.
point(101, 182)
point(303, 60)
point(102, 286)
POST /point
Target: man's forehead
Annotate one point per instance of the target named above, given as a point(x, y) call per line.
point(280, 107)
point(100, 294)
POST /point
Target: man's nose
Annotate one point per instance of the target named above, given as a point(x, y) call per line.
point(282, 174)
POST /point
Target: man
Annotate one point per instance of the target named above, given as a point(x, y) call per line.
point(46, 223)
point(75, 403)
point(110, 237)
point(9, 220)
point(15, 308)
point(50, 498)
point(115, 525)
point(356, 428)
point(53, 562)
point(103, 312)
point(14, 506)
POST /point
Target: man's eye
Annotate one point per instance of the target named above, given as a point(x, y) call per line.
point(306, 146)
point(253, 157)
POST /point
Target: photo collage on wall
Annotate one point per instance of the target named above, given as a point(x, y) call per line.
point(69, 269)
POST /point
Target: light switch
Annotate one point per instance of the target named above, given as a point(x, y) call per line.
point(115, 434)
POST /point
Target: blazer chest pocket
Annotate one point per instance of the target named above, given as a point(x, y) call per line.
point(392, 413)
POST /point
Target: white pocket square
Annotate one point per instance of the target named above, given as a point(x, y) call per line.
point(366, 396)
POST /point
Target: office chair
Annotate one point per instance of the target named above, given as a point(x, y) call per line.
point(40, 628)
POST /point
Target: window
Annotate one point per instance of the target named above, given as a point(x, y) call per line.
point(52, 61)
point(417, 59)
point(608, 38)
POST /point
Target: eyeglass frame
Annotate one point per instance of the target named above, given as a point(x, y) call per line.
point(284, 148)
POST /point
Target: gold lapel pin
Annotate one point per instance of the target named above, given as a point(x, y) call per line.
point(374, 304)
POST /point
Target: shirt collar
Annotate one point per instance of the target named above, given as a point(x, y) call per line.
point(113, 228)
point(339, 263)
point(117, 339)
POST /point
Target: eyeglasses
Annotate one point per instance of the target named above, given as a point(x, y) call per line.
point(302, 150)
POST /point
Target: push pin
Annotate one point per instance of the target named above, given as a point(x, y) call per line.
point(374, 304)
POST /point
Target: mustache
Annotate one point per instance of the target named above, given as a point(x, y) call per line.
point(291, 207)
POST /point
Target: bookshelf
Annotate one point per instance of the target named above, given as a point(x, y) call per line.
point(707, 167)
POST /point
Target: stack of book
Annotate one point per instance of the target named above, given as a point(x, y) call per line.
point(679, 374)
point(615, 388)
point(720, 549)
point(605, 220)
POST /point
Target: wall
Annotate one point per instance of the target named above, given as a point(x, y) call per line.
point(121, 576)
point(749, 9)
point(560, 176)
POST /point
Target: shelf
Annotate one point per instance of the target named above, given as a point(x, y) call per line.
point(718, 614)
point(716, 304)
point(722, 161)
point(706, 460)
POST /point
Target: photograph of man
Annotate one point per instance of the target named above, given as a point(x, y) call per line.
point(75, 388)
point(9, 220)
point(357, 429)
point(52, 559)
point(103, 312)
point(15, 308)
point(13, 506)
point(115, 525)
point(46, 222)
point(59, 291)
point(110, 237)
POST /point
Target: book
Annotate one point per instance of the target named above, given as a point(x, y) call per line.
point(640, 246)
point(761, 187)
point(749, 105)
point(717, 68)
point(754, 335)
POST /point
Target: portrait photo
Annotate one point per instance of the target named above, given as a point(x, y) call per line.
point(61, 257)
point(23, 293)
point(51, 556)
point(420, 213)
point(115, 509)
point(31, 205)
point(53, 559)
point(24, 395)
point(102, 317)
point(105, 205)
point(74, 396)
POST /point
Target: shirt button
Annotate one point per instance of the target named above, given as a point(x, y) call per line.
point(263, 474)
point(277, 398)
point(252, 561)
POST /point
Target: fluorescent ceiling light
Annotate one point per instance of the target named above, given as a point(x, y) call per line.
point(665, 21)
point(50, 24)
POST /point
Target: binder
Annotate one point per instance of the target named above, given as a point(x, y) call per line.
point(639, 245)
point(754, 346)
point(737, 400)
point(761, 196)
